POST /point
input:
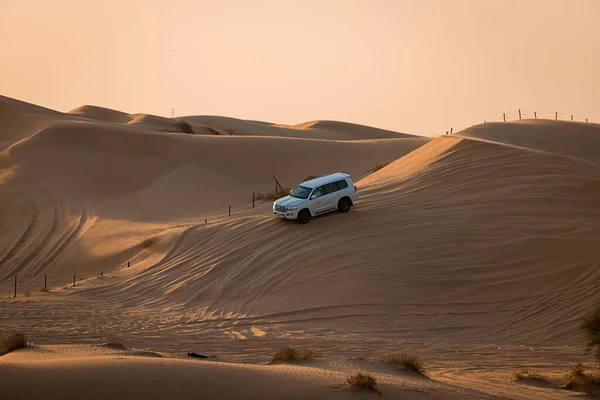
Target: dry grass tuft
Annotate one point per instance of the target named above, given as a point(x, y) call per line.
point(410, 363)
point(114, 342)
point(13, 342)
point(379, 166)
point(362, 381)
point(290, 355)
point(591, 329)
point(578, 381)
point(149, 242)
point(529, 375)
point(272, 195)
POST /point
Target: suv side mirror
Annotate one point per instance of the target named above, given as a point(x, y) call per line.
point(314, 196)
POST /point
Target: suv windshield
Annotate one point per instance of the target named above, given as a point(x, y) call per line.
point(300, 192)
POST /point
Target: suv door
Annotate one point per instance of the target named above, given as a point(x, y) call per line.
point(330, 197)
point(316, 200)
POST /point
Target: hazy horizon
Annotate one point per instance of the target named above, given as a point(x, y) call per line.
point(418, 67)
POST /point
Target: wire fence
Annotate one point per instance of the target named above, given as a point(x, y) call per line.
point(525, 114)
point(27, 286)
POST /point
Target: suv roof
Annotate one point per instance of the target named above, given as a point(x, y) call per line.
point(322, 180)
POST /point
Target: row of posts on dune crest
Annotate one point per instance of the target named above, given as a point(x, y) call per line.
point(278, 189)
point(45, 288)
point(520, 116)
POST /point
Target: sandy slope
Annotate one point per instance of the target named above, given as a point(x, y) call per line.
point(477, 252)
point(68, 181)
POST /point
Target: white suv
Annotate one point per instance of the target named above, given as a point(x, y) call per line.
point(317, 196)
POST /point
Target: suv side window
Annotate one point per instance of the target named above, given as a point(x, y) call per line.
point(319, 192)
point(342, 184)
point(330, 187)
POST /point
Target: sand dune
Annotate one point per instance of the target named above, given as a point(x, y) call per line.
point(573, 139)
point(218, 125)
point(476, 252)
point(65, 179)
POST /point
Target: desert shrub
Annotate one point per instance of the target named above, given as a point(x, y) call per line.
point(362, 381)
point(13, 342)
point(410, 363)
point(272, 195)
point(379, 166)
point(591, 329)
point(114, 342)
point(184, 127)
point(149, 242)
point(526, 374)
point(290, 355)
point(578, 381)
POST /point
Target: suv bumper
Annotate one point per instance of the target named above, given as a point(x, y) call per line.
point(289, 214)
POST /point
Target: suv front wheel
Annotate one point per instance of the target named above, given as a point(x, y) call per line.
point(303, 216)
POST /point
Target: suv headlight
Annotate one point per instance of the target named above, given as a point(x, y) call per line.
point(291, 207)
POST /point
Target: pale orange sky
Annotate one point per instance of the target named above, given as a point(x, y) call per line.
point(416, 66)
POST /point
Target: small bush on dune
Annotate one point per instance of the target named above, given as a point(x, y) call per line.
point(272, 195)
point(591, 329)
point(362, 381)
point(529, 375)
point(184, 127)
point(290, 355)
point(149, 242)
point(410, 363)
point(379, 166)
point(13, 342)
point(578, 381)
point(114, 342)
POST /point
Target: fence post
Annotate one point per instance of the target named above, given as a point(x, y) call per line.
point(205, 221)
point(230, 211)
point(15, 286)
point(252, 199)
point(504, 115)
point(101, 273)
point(571, 117)
point(45, 282)
point(451, 131)
point(128, 264)
point(73, 280)
point(586, 120)
point(535, 115)
point(519, 113)
point(556, 115)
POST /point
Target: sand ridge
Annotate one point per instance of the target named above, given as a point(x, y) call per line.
point(476, 252)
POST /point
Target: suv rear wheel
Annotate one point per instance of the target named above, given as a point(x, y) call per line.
point(303, 216)
point(344, 205)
